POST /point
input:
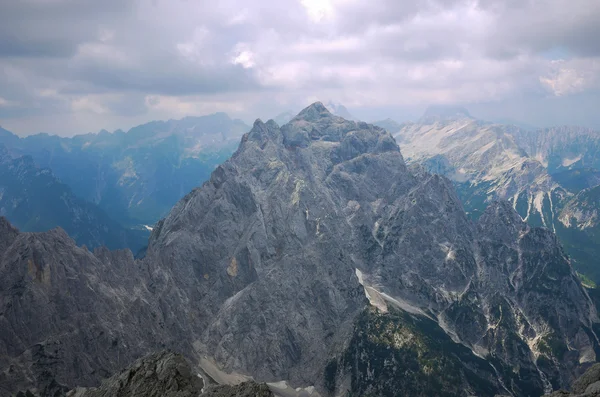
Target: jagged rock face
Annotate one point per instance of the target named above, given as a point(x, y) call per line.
point(480, 153)
point(309, 235)
point(8, 234)
point(163, 374)
point(524, 279)
point(582, 212)
point(69, 316)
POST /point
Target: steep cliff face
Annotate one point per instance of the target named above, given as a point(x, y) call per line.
point(314, 255)
point(268, 234)
point(588, 385)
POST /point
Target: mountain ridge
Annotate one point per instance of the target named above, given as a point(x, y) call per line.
point(313, 254)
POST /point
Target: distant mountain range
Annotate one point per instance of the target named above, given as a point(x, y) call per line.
point(111, 188)
point(136, 176)
point(35, 200)
point(548, 175)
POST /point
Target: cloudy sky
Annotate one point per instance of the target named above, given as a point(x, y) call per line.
point(73, 66)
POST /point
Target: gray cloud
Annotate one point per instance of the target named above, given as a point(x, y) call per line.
point(37, 28)
point(119, 62)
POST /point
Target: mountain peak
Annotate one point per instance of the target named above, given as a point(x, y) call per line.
point(313, 112)
point(444, 112)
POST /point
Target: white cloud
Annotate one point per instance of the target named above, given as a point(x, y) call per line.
point(318, 10)
point(569, 77)
point(195, 49)
point(243, 55)
point(88, 104)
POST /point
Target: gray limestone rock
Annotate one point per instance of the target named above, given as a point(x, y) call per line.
point(591, 376)
point(246, 389)
point(162, 374)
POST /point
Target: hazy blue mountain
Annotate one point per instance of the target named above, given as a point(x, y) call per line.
point(444, 112)
point(138, 175)
point(577, 179)
point(390, 125)
point(34, 200)
point(284, 118)
point(339, 110)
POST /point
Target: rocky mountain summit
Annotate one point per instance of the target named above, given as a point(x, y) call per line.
point(165, 374)
point(161, 374)
point(314, 256)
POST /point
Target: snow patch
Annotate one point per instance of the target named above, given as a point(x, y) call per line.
point(568, 162)
point(279, 385)
point(375, 297)
point(538, 203)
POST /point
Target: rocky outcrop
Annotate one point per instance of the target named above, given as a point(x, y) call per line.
point(72, 317)
point(163, 374)
point(588, 385)
point(246, 389)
